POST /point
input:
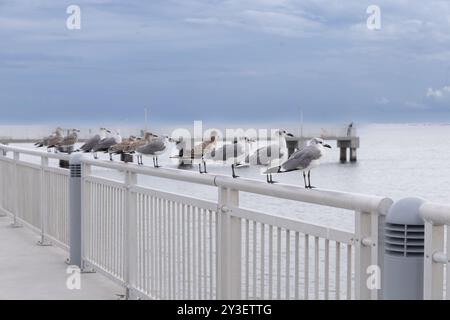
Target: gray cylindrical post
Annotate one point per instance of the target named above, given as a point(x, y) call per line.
point(404, 251)
point(75, 209)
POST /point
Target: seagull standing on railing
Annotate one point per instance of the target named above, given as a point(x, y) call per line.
point(139, 142)
point(155, 148)
point(44, 141)
point(93, 141)
point(275, 151)
point(198, 151)
point(69, 140)
point(55, 139)
point(236, 151)
point(304, 159)
point(104, 144)
point(120, 148)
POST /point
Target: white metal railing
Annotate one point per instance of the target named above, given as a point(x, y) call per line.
point(163, 245)
point(35, 194)
point(436, 282)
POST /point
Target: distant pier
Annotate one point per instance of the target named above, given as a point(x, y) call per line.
point(348, 145)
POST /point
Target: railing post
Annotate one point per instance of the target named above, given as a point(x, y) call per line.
point(130, 242)
point(16, 224)
point(366, 255)
point(75, 210)
point(228, 247)
point(43, 204)
point(433, 272)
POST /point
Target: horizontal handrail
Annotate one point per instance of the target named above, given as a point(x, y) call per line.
point(342, 200)
point(39, 153)
point(436, 213)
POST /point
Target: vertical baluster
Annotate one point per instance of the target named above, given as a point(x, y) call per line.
point(262, 260)
point(297, 262)
point(288, 263)
point(173, 220)
point(160, 252)
point(211, 260)
point(306, 288)
point(278, 263)
point(338, 270)
point(349, 271)
point(254, 260)
point(205, 254)
point(317, 268)
point(327, 268)
point(188, 225)
point(199, 261)
point(270, 262)
point(247, 258)
point(184, 245)
point(154, 247)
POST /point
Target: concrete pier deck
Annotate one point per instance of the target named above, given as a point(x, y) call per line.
point(29, 271)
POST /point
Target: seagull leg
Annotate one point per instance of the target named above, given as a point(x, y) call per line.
point(204, 166)
point(270, 178)
point(304, 179)
point(157, 164)
point(200, 168)
point(309, 180)
point(110, 157)
point(233, 172)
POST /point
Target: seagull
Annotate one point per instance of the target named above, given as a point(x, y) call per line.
point(92, 142)
point(121, 147)
point(154, 148)
point(304, 159)
point(69, 140)
point(139, 142)
point(275, 151)
point(236, 151)
point(105, 144)
point(198, 151)
point(55, 140)
point(44, 141)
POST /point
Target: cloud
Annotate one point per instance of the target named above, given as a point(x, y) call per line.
point(439, 94)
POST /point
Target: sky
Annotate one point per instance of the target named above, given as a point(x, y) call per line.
point(227, 61)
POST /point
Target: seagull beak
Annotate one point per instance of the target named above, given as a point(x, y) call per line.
point(327, 146)
point(289, 134)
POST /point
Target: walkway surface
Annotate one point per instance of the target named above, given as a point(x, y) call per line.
point(29, 271)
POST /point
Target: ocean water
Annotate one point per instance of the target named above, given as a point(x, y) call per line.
point(394, 160)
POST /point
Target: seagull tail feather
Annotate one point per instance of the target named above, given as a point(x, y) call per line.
point(276, 169)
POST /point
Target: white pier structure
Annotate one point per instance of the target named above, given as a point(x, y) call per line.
point(162, 245)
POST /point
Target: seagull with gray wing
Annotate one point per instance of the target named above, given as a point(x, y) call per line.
point(154, 148)
point(69, 140)
point(235, 151)
point(304, 159)
point(93, 141)
point(274, 151)
point(104, 144)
